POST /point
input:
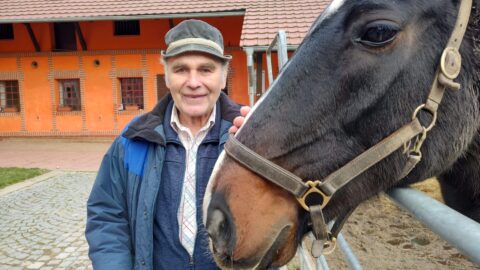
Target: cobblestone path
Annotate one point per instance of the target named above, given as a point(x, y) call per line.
point(42, 226)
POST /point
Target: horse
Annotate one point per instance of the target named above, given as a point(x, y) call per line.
point(363, 69)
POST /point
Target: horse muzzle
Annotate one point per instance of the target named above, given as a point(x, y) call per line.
point(223, 240)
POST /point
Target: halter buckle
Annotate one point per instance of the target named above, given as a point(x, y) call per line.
point(313, 189)
point(323, 247)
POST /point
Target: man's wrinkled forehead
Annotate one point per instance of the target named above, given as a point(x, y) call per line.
point(184, 57)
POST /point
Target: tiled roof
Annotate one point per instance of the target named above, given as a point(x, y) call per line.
point(262, 18)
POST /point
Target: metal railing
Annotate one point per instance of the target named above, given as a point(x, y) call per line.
point(280, 42)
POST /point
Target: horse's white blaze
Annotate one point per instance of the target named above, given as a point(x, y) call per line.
point(330, 11)
point(208, 192)
point(333, 7)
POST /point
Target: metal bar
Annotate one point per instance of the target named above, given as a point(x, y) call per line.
point(457, 229)
point(322, 263)
point(279, 42)
point(251, 83)
point(32, 37)
point(240, 12)
point(265, 48)
point(348, 254)
point(269, 61)
point(282, 49)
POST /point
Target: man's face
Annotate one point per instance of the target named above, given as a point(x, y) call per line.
point(195, 81)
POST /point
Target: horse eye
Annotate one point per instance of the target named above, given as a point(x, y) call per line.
point(379, 33)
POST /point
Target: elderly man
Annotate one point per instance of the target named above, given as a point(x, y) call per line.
point(144, 211)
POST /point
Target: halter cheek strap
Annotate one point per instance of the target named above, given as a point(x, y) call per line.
point(448, 70)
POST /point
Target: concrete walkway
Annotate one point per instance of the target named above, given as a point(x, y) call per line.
point(53, 154)
point(43, 219)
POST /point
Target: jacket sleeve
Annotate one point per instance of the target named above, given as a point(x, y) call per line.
point(108, 229)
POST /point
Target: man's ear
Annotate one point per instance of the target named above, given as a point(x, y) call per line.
point(167, 81)
point(225, 75)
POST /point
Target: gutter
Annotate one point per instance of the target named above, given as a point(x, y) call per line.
point(240, 12)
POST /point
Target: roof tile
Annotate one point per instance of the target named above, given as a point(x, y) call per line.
point(263, 18)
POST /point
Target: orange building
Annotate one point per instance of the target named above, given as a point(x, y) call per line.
point(85, 68)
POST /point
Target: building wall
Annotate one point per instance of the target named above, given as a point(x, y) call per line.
point(98, 69)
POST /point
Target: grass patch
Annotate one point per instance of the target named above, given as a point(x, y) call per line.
point(12, 175)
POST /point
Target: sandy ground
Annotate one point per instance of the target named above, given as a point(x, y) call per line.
point(383, 236)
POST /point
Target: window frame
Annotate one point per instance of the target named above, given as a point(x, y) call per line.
point(126, 28)
point(7, 31)
point(63, 31)
point(9, 96)
point(69, 103)
point(131, 99)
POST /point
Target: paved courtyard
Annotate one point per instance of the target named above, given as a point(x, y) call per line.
point(42, 223)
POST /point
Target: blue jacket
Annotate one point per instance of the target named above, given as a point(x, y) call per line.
point(122, 205)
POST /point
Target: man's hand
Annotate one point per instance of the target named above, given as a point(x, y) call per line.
point(238, 121)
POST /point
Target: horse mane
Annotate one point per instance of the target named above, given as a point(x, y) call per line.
point(475, 28)
point(474, 35)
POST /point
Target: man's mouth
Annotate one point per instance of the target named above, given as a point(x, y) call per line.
point(194, 96)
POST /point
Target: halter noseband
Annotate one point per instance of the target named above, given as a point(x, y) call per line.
point(450, 65)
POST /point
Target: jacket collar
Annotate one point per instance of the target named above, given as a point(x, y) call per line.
point(146, 126)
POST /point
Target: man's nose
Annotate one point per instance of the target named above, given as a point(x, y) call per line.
point(193, 80)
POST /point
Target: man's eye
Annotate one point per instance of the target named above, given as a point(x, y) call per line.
point(205, 70)
point(379, 34)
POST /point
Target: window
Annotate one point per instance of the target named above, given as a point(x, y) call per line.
point(162, 89)
point(127, 28)
point(6, 31)
point(65, 38)
point(132, 93)
point(69, 95)
point(9, 96)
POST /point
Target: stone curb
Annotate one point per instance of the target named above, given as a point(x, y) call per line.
point(30, 182)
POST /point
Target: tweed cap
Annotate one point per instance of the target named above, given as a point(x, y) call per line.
point(194, 36)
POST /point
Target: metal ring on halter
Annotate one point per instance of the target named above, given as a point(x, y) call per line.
point(313, 189)
point(330, 245)
point(433, 113)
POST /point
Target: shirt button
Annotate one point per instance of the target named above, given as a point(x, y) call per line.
point(145, 214)
point(142, 262)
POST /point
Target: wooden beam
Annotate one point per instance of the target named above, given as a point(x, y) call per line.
point(32, 36)
point(78, 30)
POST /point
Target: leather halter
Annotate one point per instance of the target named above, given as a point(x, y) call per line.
point(448, 70)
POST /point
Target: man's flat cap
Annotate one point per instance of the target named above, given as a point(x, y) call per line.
point(194, 36)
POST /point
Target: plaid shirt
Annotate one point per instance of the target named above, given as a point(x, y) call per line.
point(191, 144)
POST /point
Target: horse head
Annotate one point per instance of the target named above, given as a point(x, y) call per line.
point(362, 69)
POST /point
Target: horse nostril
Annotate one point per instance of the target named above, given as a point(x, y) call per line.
point(220, 230)
point(216, 224)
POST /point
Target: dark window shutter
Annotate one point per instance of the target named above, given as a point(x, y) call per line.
point(6, 31)
point(127, 28)
point(65, 38)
